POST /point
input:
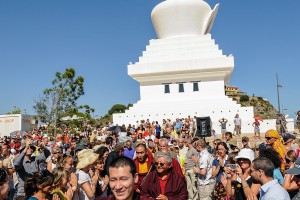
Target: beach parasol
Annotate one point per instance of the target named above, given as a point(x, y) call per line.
point(258, 118)
point(17, 133)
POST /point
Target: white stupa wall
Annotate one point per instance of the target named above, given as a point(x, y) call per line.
point(206, 90)
point(185, 53)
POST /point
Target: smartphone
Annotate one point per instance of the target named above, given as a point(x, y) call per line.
point(232, 166)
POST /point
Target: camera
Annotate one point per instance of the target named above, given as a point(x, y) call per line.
point(232, 166)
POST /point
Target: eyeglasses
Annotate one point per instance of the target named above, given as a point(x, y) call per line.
point(288, 161)
point(159, 164)
point(56, 152)
point(268, 138)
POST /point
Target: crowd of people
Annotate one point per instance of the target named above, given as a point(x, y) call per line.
point(157, 161)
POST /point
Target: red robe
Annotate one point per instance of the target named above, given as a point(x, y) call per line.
point(175, 188)
point(141, 176)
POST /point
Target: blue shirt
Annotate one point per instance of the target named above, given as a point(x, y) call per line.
point(277, 175)
point(273, 190)
point(178, 125)
point(129, 153)
point(216, 164)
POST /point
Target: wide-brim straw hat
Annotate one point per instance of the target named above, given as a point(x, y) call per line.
point(86, 157)
point(233, 142)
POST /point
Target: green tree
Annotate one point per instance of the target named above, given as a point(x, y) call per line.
point(15, 110)
point(244, 98)
point(118, 108)
point(61, 99)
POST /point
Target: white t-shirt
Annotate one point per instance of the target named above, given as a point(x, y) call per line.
point(82, 178)
point(237, 121)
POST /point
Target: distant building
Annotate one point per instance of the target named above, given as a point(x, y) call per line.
point(233, 92)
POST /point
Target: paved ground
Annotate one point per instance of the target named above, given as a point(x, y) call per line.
point(254, 142)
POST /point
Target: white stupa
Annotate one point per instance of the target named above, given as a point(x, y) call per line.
point(183, 72)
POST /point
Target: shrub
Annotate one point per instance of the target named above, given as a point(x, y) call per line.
point(244, 98)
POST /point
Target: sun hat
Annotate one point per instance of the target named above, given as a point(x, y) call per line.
point(245, 153)
point(86, 157)
point(294, 170)
point(233, 142)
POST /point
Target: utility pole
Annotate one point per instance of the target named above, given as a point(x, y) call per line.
point(278, 98)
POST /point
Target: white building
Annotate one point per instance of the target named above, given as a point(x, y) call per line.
point(17, 122)
point(184, 71)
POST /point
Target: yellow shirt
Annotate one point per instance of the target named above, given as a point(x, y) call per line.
point(143, 168)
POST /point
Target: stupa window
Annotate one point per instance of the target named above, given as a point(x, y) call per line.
point(167, 88)
point(195, 86)
point(181, 88)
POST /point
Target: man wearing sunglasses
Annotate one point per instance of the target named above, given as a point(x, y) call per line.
point(164, 183)
point(273, 139)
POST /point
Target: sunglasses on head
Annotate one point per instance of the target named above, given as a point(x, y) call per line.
point(159, 164)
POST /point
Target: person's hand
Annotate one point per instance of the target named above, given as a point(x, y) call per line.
point(106, 179)
point(95, 177)
point(251, 197)
point(55, 197)
point(195, 159)
point(69, 194)
point(239, 171)
point(227, 170)
point(196, 170)
point(41, 145)
point(74, 182)
point(161, 197)
point(28, 142)
point(91, 172)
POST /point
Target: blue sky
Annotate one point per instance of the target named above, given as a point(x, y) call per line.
point(100, 37)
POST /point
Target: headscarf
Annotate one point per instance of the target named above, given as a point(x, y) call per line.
point(278, 146)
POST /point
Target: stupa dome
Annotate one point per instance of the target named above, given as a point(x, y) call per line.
point(173, 18)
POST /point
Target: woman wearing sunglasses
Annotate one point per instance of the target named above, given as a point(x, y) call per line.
point(292, 180)
point(290, 158)
point(56, 157)
point(239, 181)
